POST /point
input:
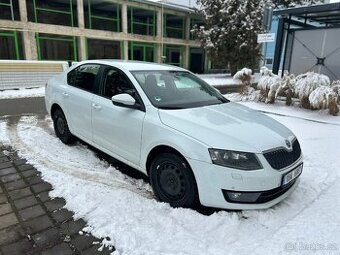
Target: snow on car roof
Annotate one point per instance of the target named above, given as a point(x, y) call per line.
point(132, 65)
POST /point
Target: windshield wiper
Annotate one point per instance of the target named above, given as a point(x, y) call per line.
point(170, 107)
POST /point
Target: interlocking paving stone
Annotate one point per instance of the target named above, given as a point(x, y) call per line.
point(5, 165)
point(3, 159)
point(94, 251)
point(19, 162)
point(19, 184)
point(10, 178)
point(72, 227)
point(37, 224)
point(44, 186)
point(5, 208)
point(82, 242)
point(18, 248)
point(30, 173)
point(31, 212)
point(11, 234)
point(20, 193)
point(9, 170)
point(62, 248)
point(8, 220)
point(25, 202)
point(47, 237)
point(55, 204)
point(3, 198)
point(43, 196)
point(34, 180)
point(62, 215)
point(25, 167)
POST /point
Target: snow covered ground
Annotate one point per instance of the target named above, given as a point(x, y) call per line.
point(22, 93)
point(124, 209)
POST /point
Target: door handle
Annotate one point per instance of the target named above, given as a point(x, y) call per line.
point(65, 94)
point(96, 106)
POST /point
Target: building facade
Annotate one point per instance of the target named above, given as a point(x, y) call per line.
point(75, 30)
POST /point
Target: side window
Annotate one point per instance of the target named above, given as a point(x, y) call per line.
point(115, 82)
point(84, 77)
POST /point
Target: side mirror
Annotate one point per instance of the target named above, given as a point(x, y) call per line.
point(124, 100)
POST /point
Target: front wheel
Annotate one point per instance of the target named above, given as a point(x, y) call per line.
point(61, 127)
point(173, 181)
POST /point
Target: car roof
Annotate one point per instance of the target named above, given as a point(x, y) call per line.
point(133, 65)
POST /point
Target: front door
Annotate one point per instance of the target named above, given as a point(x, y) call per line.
point(117, 129)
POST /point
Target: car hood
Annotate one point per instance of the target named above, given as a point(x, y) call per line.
point(229, 126)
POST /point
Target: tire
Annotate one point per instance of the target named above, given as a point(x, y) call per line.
point(172, 181)
point(61, 128)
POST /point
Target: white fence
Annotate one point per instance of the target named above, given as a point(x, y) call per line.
point(18, 74)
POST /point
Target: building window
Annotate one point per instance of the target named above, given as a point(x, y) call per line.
point(11, 45)
point(142, 51)
point(103, 49)
point(173, 55)
point(174, 26)
point(102, 15)
point(56, 47)
point(142, 22)
point(195, 22)
point(9, 9)
point(54, 12)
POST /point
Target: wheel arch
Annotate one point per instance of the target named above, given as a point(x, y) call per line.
point(55, 107)
point(161, 149)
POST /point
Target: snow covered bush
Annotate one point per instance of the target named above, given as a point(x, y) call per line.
point(324, 97)
point(306, 83)
point(286, 87)
point(244, 77)
point(268, 85)
point(336, 88)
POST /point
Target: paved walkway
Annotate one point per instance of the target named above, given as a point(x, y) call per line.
point(30, 221)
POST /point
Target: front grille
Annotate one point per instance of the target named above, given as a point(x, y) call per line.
point(282, 158)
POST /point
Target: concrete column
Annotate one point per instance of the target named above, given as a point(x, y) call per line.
point(159, 35)
point(30, 45)
point(23, 10)
point(81, 24)
point(187, 28)
point(159, 53)
point(159, 23)
point(125, 30)
point(82, 48)
point(124, 18)
point(126, 50)
point(186, 57)
point(80, 12)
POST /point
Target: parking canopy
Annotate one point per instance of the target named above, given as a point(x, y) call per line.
point(307, 40)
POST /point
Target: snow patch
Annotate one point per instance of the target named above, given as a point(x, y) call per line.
point(22, 93)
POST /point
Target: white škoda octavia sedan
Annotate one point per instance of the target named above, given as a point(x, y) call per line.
point(194, 144)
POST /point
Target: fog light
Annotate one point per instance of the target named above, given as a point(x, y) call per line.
point(234, 195)
point(240, 197)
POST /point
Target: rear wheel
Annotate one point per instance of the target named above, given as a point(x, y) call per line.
point(173, 181)
point(61, 127)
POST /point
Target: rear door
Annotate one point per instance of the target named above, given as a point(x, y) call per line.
point(116, 128)
point(83, 85)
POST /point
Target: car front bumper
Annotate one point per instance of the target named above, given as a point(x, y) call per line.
point(216, 182)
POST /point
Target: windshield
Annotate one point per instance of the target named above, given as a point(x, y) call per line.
point(177, 89)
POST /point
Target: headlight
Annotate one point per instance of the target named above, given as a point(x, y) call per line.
point(235, 159)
